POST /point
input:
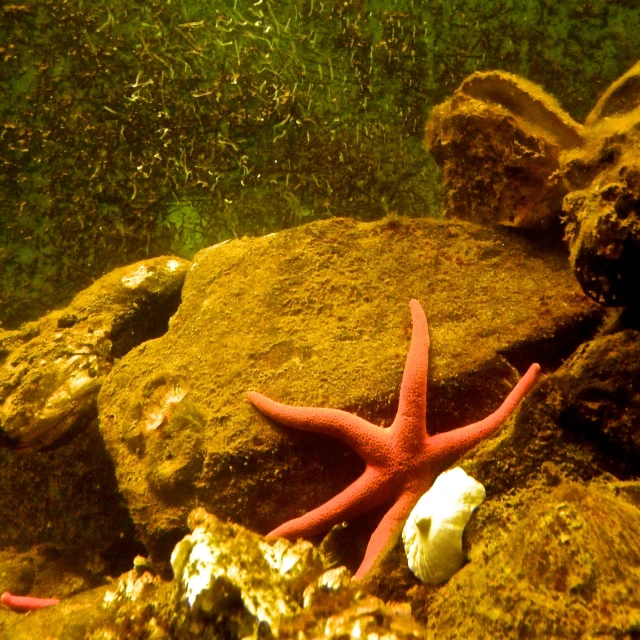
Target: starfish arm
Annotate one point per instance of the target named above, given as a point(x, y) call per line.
point(365, 493)
point(362, 436)
point(386, 534)
point(413, 392)
point(456, 443)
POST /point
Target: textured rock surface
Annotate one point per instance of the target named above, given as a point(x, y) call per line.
point(498, 141)
point(568, 569)
point(510, 155)
point(260, 589)
point(220, 564)
point(622, 97)
point(319, 316)
point(582, 421)
point(602, 212)
point(68, 497)
point(52, 369)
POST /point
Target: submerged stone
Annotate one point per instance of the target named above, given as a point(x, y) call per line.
point(498, 140)
point(53, 368)
point(602, 212)
point(223, 568)
point(569, 569)
point(318, 316)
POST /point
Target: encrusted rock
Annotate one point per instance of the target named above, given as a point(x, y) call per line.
point(581, 422)
point(510, 155)
point(620, 99)
point(221, 568)
point(53, 368)
point(602, 212)
point(568, 569)
point(231, 583)
point(318, 316)
point(498, 141)
point(367, 617)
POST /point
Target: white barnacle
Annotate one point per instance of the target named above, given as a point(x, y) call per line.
point(432, 535)
point(136, 278)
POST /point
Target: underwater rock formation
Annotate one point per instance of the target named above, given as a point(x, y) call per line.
point(510, 155)
point(231, 583)
point(221, 565)
point(568, 569)
point(52, 369)
point(314, 316)
point(602, 211)
point(582, 421)
point(498, 141)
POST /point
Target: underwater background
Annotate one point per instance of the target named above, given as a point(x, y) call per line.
point(132, 129)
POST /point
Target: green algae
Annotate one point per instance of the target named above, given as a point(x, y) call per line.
point(168, 126)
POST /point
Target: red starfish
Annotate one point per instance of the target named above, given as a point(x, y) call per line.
point(402, 460)
point(26, 603)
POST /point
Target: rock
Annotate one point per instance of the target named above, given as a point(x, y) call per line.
point(319, 315)
point(620, 99)
point(52, 369)
point(568, 569)
point(69, 498)
point(367, 617)
point(498, 141)
point(246, 587)
point(581, 422)
point(602, 210)
point(221, 568)
point(510, 155)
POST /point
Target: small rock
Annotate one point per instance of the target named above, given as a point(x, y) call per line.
point(602, 210)
point(53, 368)
point(498, 141)
point(219, 564)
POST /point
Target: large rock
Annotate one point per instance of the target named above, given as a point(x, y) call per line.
point(67, 497)
point(498, 141)
point(511, 156)
point(568, 569)
point(51, 372)
point(319, 316)
point(52, 369)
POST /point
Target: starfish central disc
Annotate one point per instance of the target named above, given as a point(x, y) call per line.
point(402, 460)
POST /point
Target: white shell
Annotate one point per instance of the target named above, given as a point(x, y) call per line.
point(432, 535)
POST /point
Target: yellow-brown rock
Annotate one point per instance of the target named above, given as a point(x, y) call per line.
point(602, 208)
point(498, 141)
point(319, 316)
point(568, 569)
point(52, 369)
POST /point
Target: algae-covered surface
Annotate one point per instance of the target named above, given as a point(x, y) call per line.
point(319, 316)
point(129, 130)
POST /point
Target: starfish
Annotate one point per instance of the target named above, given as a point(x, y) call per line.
point(26, 603)
point(402, 461)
